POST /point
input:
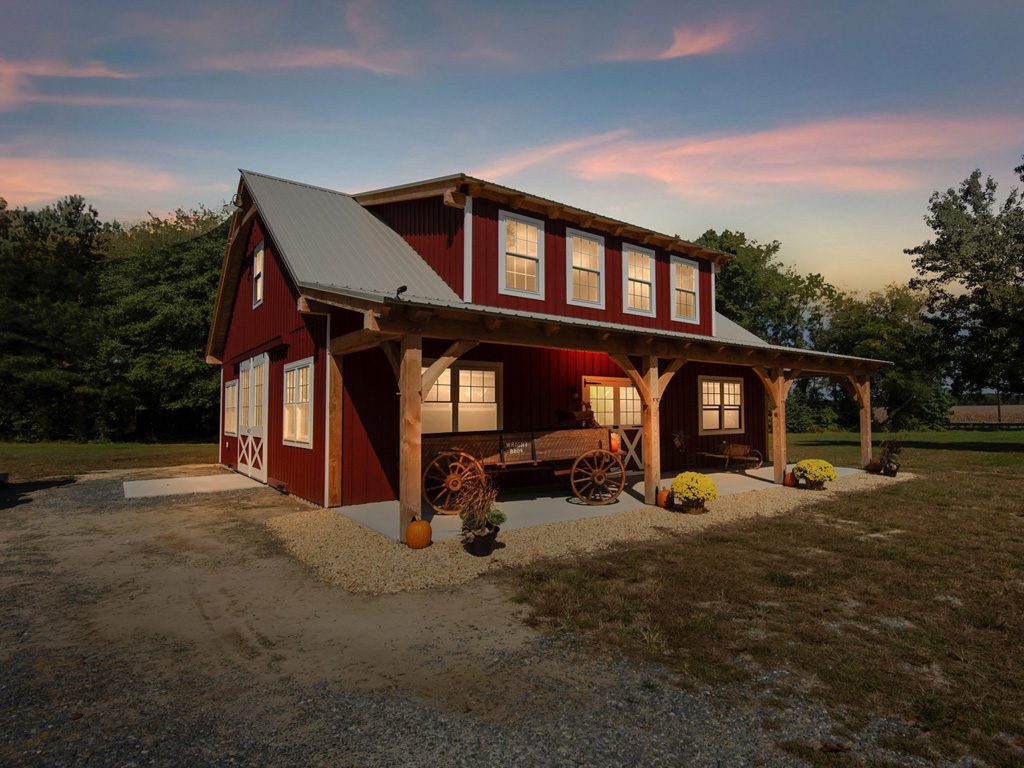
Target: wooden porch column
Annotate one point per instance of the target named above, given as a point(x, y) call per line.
point(334, 425)
point(777, 386)
point(860, 388)
point(410, 431)
point(651, 416)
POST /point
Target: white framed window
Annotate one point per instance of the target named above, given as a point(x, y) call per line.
point(243, 396)
point(638, 272)
point(298, 403)
point(685, 296)
point(584, 269)
point(466, 397)
point(721, 405)
point(258, 256)
point(231, 407)
point(614, 401)
point(521, 255)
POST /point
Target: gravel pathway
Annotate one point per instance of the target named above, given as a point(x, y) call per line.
point(346, 553)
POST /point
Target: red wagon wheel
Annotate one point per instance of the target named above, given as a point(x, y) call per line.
point(598, 477)
point(444, 478)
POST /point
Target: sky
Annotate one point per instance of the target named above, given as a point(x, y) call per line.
point(824, 125)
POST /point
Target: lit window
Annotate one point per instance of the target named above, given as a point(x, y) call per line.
point(585, 264)
point(231, 408)
point(243, 396)
point(257, 395)
point(465, 398)
point(638, 280)
point(684, 290)
point(522, 255)
point(721, 405)
point(615, 402)
point(257, 275)
point(298, 403)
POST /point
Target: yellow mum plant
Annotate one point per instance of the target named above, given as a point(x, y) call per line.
point(693, 487)
point(814, 471)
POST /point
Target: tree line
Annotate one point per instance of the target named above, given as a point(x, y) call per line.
point(103, 326)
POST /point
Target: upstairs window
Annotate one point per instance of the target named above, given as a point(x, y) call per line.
point(231, 407)
point(521, 253)
point(638, 280)
point(721, 405)
point(257, 275)
point(298, 403)
point(585, 269)
point(685, 304)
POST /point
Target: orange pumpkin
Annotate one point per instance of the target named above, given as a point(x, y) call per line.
point(665, 499)
point(615, 442)
point(789, 480)
point(418, 534)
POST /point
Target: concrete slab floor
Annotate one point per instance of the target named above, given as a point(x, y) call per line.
point(555, 504)
point(179, 486)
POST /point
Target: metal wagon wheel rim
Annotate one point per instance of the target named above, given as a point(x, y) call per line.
point(445, 476)
point(597, 477)
point(760, 459)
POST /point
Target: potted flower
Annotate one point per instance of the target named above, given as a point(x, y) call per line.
point(691, 489)
point(815, 473)
point(481, 519)
point(890, 458)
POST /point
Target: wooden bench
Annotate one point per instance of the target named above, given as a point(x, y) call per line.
point(737, 452)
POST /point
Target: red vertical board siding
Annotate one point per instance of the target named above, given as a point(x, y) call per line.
point(277, 328)
point(485, 277)
point(536, 383)
point(433, 229)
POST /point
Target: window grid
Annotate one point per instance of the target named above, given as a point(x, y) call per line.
point(441, 390)
point(614, 402)
point(522, 257)
point(257, 395)
point(721, 405)
point(586, 269)
point(231, 408)
point(298, 403)
point(257, 275)
point(243, 398)
point(639, 280)
point(685, 291)
point(464, 399)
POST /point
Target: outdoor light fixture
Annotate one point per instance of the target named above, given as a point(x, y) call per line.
point(234, 206)
point(400, 290)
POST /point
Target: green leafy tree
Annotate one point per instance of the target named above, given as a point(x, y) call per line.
point(972, 272)
point(764, 295)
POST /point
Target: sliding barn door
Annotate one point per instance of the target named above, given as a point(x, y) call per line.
point(253, 381)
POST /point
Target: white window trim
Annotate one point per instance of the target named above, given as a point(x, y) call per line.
point(602, 277)
point(616, 382)
point(653, 311)
point(228, 385)
point(260, 246)
point(503, 216)
point(677, 260)
point(473, 365)
point(306, 361)
point(700, 406)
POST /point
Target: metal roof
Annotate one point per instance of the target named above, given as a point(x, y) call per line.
point(329, 241)
point(728, 330)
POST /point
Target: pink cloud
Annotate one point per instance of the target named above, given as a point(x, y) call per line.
point(517, 161)
point(686, 41)
point(385, 63)
point(34, 180)
point(16, 80)
point(864, 154)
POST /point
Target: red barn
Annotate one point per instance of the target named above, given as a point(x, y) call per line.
point(347, 327)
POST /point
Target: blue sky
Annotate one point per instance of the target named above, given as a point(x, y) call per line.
point(825, 125)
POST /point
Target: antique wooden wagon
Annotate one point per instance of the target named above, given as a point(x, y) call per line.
point(596, 471)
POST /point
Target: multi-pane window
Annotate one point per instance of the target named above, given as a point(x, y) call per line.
point(243, 396)
point(257, 395)
point(231, 408)
point(684, 290)
point(585, 268)
point(615, 402)
point(721, 405)
point(298, 402)
point(638, 280)
point(257, 275)
point(522, 253)
point(465, 398)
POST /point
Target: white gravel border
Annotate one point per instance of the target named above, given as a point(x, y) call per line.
point(343, 552)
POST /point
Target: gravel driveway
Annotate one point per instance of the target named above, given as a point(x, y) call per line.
point(179, 632)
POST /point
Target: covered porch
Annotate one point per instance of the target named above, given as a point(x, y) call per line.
point(648, 358)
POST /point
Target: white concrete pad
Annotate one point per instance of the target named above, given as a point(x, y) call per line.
point(179, 486)
point(554, 504)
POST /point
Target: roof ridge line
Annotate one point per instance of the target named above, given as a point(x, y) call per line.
point(245, 171)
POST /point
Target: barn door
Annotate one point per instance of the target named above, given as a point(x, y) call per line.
point(253, 380)
point(616, 404)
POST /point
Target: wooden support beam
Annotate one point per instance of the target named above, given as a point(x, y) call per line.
point(391, 350)
point(861, 390)
point(634, 375)
point(357, 341)
point(774, 381)
point(492, 324)
point(550, 329)
point(410, 432)
point(307, 306)
point(670, 371)
point(791, 376)
point(335, 395)
point(651, 419)
point(456, 350)
point(454, 199)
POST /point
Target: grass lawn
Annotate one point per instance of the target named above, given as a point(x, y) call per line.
point(33, 461)
point(903, 602)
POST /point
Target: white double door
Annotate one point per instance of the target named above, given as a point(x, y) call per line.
point(253, 386)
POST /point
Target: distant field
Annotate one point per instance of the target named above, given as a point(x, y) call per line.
point(33, 461)
point(986, 414)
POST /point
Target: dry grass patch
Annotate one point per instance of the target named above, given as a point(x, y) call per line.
point(903, 601)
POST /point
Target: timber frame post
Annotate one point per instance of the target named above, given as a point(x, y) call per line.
point(336, 401)
point(410, 430)
point(777, 385)
point(860, 388)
